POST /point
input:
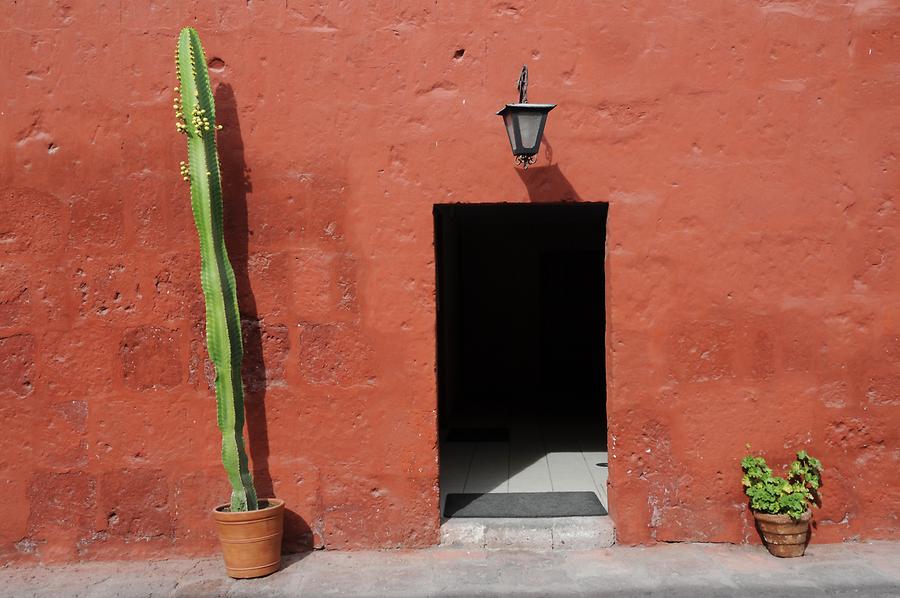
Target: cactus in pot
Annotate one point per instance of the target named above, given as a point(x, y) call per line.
point(196, 119)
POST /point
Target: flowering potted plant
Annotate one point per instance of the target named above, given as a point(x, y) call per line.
point(779, 505)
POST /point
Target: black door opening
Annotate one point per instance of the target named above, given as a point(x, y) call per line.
point(521, 328)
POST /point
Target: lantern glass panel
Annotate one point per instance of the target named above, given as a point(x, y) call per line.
point(524, 124)
point(529, 125)
point(510, 121)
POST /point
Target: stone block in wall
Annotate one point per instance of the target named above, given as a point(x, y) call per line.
point(263, 284)
point(304, 207)
point(701, 351)
point(133, 504)
point(56, 298)
point(201, 371)
point(379, 508)
point(17, 355)
point(85, 353)
point(35, 293)
point(295, 479)
point(107, 289)
point(61, 430)
point(142, 430)
point(61, 513)
point(97, 220)
point(266, 349)
point(883, 389)
point(162, 210)
point(196, 494)
point(33, 222)
point(14, 531)
point(151, 358)
point(177, 293)
point(324, 285)
point(332, 354)
point(15, 295)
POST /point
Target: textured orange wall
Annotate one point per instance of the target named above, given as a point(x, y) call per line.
point(748, 152)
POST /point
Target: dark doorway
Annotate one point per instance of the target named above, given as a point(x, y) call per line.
point(521, 328)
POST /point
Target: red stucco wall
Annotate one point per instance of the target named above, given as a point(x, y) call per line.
point(748, 152)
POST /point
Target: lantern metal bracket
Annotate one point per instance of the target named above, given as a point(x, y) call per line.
point(522, 85)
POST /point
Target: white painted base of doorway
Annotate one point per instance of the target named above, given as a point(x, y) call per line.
point(549, 533)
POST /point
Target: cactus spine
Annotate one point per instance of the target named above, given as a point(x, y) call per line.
point(196, 115)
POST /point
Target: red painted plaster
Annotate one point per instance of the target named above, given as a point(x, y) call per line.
point(748, 152)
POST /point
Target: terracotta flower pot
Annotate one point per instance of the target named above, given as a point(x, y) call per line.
point(783, 536)
point(251, 540)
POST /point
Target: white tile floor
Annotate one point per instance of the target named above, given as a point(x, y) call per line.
point(539, 457)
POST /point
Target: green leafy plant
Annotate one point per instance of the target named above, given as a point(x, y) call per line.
point(779, 496)
point(195, 112)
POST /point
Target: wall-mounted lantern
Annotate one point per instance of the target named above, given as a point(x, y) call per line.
point(525, 123)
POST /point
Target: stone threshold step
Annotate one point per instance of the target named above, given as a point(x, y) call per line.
point(545, 533)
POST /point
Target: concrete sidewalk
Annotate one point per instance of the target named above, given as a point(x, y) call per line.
point(866, 570)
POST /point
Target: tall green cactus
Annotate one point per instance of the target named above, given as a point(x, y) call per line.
point(196, 114)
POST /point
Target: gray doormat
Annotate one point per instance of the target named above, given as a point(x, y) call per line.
point(524, 504)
